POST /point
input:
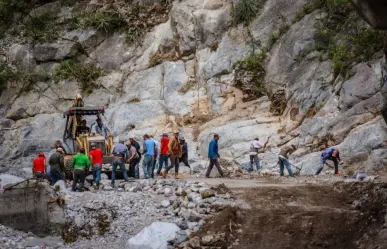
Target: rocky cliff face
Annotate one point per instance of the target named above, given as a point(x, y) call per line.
point(302, 72)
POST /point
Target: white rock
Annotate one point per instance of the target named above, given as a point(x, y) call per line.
point(155, 236)
point(165, 203)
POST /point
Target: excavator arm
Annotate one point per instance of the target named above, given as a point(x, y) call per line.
point(374, 12)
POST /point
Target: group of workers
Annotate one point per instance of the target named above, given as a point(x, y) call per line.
point(174, 150)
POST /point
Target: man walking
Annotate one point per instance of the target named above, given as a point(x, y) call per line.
point(120, 155)
point(81, 165)
point(149, 156)
point(213, 155)
point(56, 162)
point(330, 154)
point(157, 154)
point(134, 143)
point(163, 162)
point(133, 160)
point(96, 156)
point(39, 166)
point(184, 154)
point(254, 148)
point(283, 159)
point(174, 150)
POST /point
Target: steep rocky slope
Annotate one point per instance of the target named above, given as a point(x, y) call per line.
point(303, 72)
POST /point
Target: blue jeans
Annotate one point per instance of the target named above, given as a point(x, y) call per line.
point(162, 161)
point(137, 171)
point(97, 169)
point(257, 163)
point(147, 165)
point(283, 162)
point(121, 164)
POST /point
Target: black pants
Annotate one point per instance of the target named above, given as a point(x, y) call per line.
point(132, 168)
point(174, 163)
point(214, 161)
point(79, 176)
point(185, 161)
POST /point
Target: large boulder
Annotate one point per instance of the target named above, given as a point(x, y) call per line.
point(155, 236)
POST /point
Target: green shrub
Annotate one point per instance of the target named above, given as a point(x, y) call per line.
point(245, 11)
point(6, 74)
point(84, 74)
point(102, 20)
point(133, 36)
point(367, 42)
point(309, 8)
point(252, 67)
point(42, 27)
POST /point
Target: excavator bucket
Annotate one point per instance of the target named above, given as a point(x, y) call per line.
point(374, 12)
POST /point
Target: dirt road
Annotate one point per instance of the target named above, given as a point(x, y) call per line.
point(297, 214)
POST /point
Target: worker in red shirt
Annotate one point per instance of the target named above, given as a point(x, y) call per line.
point(39, 166)
point(96, 156)
point(164, 154)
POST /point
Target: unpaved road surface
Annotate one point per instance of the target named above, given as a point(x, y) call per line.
point(299, 214)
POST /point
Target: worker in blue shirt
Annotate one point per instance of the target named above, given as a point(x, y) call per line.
point(213, 155)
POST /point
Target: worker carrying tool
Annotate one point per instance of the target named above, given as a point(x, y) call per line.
point(283, 159)
point(330, 154)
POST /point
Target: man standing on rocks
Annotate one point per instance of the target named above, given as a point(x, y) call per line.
point(254, 147)
point(96, 156)
point(133, 160)
point(157, 154)
point(330, 154)
point(81, 165)
point(184, 155)
point(174, 152)
point(163, 153)
point(213, 155)
point(56, 162)
point(134, 143)
point(149, 156)
point(39, 166)
point(120, 155)
point(283, 159)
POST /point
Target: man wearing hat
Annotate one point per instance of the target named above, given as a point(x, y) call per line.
point(213, 155)
point(174, 152)
point(184, 154)
point(254, 147)
point(96, 156)
point(163, 153)
point(39, 166)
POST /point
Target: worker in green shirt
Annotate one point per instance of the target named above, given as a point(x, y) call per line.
point(81, 164)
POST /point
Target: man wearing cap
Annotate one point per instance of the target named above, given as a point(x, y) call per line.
point(174, 150)
point(39, 166)
point(149, 156)
point(254, 147)
point(163, 162)
point(120, 155)
point(184, 154)
point(81, 165)
point(213, 155)
point(56, 162)
point(96, 156)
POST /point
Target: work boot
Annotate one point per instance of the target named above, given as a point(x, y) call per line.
point(176, 175)
point(337, 172)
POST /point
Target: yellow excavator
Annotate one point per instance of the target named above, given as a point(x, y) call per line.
point(72, 140)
